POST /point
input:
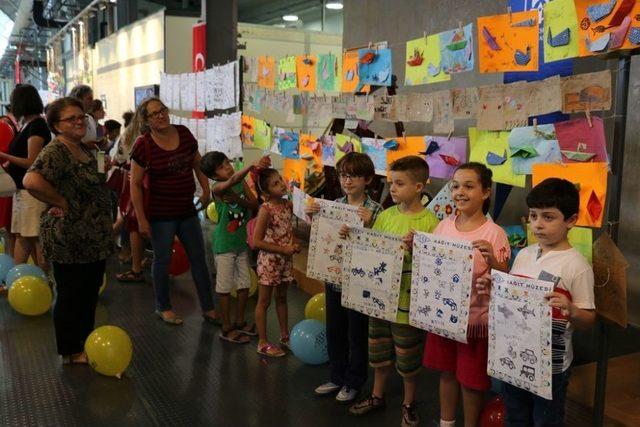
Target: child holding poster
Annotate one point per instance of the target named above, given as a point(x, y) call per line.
point(460, 363)
point(553, 211)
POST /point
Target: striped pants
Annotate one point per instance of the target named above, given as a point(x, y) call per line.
point(395, 341)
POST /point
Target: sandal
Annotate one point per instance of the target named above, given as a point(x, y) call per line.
point(75, 359)
point(233, 336)
point(130, 277)
point(242, 328)
point(175, 320)
point(270, 350)
point(213, 320)
point(284, 342)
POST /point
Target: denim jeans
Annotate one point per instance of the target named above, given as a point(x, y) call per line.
point(524, 408)
point(190, 234)
point(347, 342)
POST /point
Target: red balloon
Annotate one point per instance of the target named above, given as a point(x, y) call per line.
point(179, 261)
point(6, 136)
point(493, 413)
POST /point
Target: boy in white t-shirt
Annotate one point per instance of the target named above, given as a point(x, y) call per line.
point(553, 211)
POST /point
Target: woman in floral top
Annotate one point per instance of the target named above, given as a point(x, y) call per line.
point(76, 230)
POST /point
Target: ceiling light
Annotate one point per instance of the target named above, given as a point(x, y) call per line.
point(290, 18)
point(335, 5)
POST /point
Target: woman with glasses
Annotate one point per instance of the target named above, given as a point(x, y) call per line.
point(169, 155)
point(76, 231)
point(34, 134)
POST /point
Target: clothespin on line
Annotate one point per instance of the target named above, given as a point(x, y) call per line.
point(510, 17)
point(449, 136)
point(535, 124)
point(460, 25)
point(587, 113)
point(404, 137)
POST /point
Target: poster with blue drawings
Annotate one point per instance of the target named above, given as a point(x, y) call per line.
point(520, 333)
point(371, 273)
point(326, 248)
point(456, 50)
point(441, 285)
point(374, 148)
point(374, 66)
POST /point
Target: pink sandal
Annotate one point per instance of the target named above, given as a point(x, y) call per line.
point(270, 350)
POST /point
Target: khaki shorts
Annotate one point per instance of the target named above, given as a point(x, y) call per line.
point(25, 215)
point(232, 271)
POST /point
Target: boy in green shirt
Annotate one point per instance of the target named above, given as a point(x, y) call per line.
point(234, 203)
point(397, 340)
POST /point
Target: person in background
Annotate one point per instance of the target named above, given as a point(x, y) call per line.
point(127, 116)
point(6, 203)
point(98, 113)
point(84, 94)
point(112, 134)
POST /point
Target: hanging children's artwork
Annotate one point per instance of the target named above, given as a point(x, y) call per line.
point(288, 144)
point(306, 72)
point(293, 172)
point(465, 102)
point(346, 144)
point(372, 273)
point(531, 145)
point(300, 200)
point(591, 178)
point(489, 114)
point(444, 155)
point(560, 30)
point(508, 42)
point(606, 25)
point(374, 67)
point(456, 50)
point(188, 91)
point(350, 75)
point(441, 285)
point(247, 130)
point(419, 107)
point(586, 92)
point(326, 248)
point(328, 143)
point(374, 148)
point(492, 149)
point(250, 69)
point(403, 147)
point(520, 333)
point(433, 57)
point(415, 62)
point(266, 72)
point(326, 72)
point(514, 104)
point(286, 78)
point(582, 142)
point(517, 237)
point(580, 238)
point(442, 112)
point(442, 205)
point(311, 151)
point(262, 135)
point(545, 96)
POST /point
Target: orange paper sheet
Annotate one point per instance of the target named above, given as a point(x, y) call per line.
point(293, 172)
point(595, 30)
point(248, 130)
point(309, 154)
point(407, 146)
point(266, 72)
point(350, 77)
point(501, 36)
point(306, 72)
point(591, 178)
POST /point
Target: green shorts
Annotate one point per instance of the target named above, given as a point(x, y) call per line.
point(395, 341)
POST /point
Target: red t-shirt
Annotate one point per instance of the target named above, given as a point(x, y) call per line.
point(171, 175)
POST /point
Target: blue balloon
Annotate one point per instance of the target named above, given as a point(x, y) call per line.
point(23, 270)
point(6, 264)
point(309, 342)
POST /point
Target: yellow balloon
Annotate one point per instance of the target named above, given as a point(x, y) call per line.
point(109, 350)
point(212, 213)
point(30, 295)
point(104, 284)
point(253, 288)
point(315, 308)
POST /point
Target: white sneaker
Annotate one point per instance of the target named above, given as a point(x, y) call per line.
point(347, 395)
point(326, 389)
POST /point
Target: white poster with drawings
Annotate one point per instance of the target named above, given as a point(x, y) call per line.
point(326, 248)
point(520, 333)
point(201, 88)
point(175, 90)
point(300, 200)
point(188, 91)
point(372, 273)
point(441, 285)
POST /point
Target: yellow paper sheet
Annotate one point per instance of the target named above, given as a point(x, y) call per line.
point(350, 69)
point(558, 16)
point(433, 60)
point(580, 238)
point(306, 72)
point(286, 73)
point(407, 146)
point(482, 142)
point(262, 135)
point(266, 72)
point(342, 140)
point(591, 177)
point(293, 171)
point(247, 130)
point(416, 62)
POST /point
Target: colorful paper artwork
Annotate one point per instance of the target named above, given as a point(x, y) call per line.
point(350, 74)
point(482, 143)
point(580, 238)
point(456, 50)
point(531, 145)
point(604, 25)
point(581, 142)
point(328, 143)
point(442, 205)
point(326, 248)
point(560, 30)
point(306, 72)
point(586, 92)
point(441, 278)
point(419, 107)
point(415, 63)
point(374, 66)
point(444, 155)
point(489, 114)
point(262, 135)
point(266, 72)
point(372, 273)
point(442, 112)
point(247, 130)
point(520, 333)
point(288, 144)
point(286, 73)
point(375, 149)
point(407, 146)
point(591, 178)
point(346, 144)
point(326, 72)
point(433, 57)
point(293, 172)
point(508, 42)
point(514, 105)
point(545, 96)
point(465, 102)
point(311, 152)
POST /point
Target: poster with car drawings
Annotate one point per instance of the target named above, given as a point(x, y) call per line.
point(520, 333)
point(326, 248)
point(372, 273)
point(441, 285)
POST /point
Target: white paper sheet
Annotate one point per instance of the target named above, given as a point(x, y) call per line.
point(165, 90)
point(175, 90)
point(201, 89)
point(300, 200)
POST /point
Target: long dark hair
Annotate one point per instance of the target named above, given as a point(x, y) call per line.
point(485, 176)
point(261, 178)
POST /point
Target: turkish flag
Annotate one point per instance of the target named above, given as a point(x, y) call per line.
point(199, 56)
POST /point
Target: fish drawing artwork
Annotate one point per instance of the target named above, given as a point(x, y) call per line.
point(560, 39)
point(522, 58)
point(490, 39)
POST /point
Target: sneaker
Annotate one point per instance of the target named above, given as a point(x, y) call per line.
point(326, 389)
point(347, 395)
point(367, 405)
point(410, 416)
